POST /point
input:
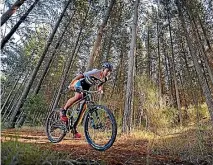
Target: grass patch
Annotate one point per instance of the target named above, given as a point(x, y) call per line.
point(192, 144)
point(14, 152)
point(23, 153)
point(188, 144)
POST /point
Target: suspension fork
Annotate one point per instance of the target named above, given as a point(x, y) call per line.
point(92, 120)
point(96, 113)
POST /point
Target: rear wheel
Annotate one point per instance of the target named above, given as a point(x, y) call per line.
point(55, 128)
point(100, 128)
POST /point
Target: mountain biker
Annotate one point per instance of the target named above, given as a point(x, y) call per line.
point(84, 82)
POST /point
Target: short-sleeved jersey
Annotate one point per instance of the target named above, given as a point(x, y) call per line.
point(92, 77)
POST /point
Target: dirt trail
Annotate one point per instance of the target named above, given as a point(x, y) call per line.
point(124, 151)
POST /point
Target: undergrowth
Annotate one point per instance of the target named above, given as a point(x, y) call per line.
point(18, 153)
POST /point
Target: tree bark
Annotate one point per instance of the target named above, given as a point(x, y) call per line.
point(12, 31)
point(23, 70)
point(148, 53)
point(166, 65)
point(207, 40)
point(21, 121)
point(16, 111)
point(117, 74)
point(126, 128)
point(15, 96)
point(10, 94)
point(96, 47)
point(11, 11)
point(203, 83)
point(200, 46)
point(174, 70)
point(189, 76)
point(159, 60)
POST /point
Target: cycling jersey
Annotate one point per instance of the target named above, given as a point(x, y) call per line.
point(92, 77)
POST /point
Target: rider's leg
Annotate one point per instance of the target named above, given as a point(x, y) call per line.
point(72, 100)
point(69, 103)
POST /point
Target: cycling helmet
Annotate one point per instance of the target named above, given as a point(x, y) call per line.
point(107, 65)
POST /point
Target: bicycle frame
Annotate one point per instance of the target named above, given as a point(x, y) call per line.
point(83, 106)
point(89, 111)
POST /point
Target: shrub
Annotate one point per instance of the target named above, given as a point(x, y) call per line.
point(158, 110)
point(33, 106)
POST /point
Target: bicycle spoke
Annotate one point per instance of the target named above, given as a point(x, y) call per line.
point(100, 128)
point(55, 128)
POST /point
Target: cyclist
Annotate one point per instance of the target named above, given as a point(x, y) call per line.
point(84, 82)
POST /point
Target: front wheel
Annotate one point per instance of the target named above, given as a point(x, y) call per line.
point(55, 128)
point(100, 128)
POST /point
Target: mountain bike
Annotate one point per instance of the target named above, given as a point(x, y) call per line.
point(100, 126)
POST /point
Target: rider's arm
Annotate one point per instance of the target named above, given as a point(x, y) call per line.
point(78, 77)
point(100, 86)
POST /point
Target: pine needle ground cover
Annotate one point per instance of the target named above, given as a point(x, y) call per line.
point(191, 145)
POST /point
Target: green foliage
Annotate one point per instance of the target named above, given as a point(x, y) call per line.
point(159, 113)
point(189, 143)
point(35, 104)
point(158, 110)
point(35, 45)
point(14, 152)
point(195, 114)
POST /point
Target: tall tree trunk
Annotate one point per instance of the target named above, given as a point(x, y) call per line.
point(11, 11)
point(16, 96)
point(96, 47)
point(210, 49)
point(207, 39)
point(10, 94)
point(203, 83)
point(117, 74)
point(59, 42)
point(168, 59)
point(129, 89)
point(174, 70)
point(167, 77)
point(189, 76)
point(159, 60)
point(12, 31)
point(200, 45)
point(17, 80)
point(184, 99)
point(194, 15)
point(16, 111)
point(68, 64)
point(109, 46)
point(148, 53)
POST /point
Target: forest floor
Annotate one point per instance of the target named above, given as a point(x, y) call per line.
point(133, 149)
